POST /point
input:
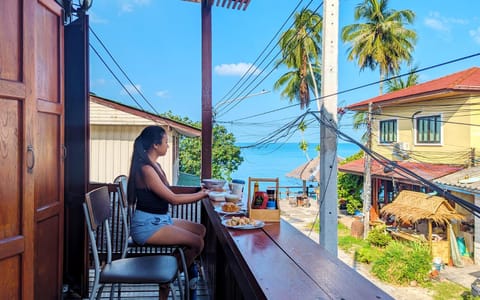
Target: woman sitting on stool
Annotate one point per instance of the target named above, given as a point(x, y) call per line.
point(149, 189)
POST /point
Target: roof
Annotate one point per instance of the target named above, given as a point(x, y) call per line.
point(467, 81)
point(426, 170)
point(415, 206)
point(467, 179)
point(182, 128)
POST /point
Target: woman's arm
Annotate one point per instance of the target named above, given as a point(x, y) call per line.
point(156, 185)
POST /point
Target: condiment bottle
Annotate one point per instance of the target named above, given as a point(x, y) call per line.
point(255, 187)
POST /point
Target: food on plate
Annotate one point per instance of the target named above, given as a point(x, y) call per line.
point(232, 198)
point(240, 221)
point(230, 207)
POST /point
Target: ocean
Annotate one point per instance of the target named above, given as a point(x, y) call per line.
point(278, 159)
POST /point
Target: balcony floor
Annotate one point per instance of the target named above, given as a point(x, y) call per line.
point(143, 291)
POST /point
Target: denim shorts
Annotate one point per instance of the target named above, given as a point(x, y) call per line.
point(144, 225)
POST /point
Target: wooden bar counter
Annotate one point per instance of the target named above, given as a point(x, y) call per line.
point(275, 262)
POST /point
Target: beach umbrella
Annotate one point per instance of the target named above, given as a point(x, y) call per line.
point(309, 171)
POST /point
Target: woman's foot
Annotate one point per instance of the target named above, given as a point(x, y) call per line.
point(193, 280)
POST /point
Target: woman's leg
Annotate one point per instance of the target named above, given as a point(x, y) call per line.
point(182, 232)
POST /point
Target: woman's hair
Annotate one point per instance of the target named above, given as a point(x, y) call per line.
point(149, 136)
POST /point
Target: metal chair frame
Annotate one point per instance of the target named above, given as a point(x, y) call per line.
point(121, 180)
point(160, 269)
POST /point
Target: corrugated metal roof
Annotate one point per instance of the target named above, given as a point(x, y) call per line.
point(467, 179)
point(182, 128)
point(467, 81)
point(425, 170)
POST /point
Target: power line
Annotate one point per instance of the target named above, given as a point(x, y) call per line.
point(263, 51)
point(359, 87)
point(273, 69)
point(123, 72)
point(395, 167)
point(115, 76)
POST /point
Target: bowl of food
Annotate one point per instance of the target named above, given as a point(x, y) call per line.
point(214, 184)
point(230, 207)
point(232, 198)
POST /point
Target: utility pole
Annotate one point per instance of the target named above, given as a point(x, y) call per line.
point(367, 179)
point(328, 136)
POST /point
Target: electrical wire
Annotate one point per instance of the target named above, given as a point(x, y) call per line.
point(232, 105)
point(116, 77)
point(249, 71)
point(123, 72)
point(395, 167)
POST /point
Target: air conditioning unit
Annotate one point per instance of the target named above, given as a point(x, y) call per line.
point(400, 150)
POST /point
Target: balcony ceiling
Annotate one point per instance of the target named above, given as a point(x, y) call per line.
point(229, 4)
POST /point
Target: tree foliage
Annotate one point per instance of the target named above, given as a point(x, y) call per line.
point(349, 186)
point(226, 157)
point(382, 40)
point(301, 48)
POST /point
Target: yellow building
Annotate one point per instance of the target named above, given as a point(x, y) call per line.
point(431, 129)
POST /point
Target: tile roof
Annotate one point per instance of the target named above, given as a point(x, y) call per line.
point(467, 179)
point(425, 170)
point(464, 81)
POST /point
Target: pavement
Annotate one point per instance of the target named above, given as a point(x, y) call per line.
point(302, 218)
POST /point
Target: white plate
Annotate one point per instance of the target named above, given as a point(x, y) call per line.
point(258, 224)
point(219, 210)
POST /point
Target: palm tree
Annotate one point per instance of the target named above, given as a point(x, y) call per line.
point(382, 41)
point(301, 48)
point(397, 83)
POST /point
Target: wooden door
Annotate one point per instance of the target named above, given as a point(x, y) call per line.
point(49, 151)
point(31, 137)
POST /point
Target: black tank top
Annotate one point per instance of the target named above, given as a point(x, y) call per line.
point(150, 202)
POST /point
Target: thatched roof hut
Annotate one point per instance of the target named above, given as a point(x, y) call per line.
point(415, 206)
point(412, 207)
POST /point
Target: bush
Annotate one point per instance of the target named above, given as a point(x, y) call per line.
point(367, 254)
point(379, 236)
point(400, 263)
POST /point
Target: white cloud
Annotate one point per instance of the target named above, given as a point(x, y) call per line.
point(128, 6)
point(236, 69)
point(436, 22)
point(442, 23)
point(95, 19)
point(132, 89)
point(99, 82)
point(475, 34)
point(162, 94)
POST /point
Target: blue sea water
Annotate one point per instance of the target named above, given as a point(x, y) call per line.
point(278, 159)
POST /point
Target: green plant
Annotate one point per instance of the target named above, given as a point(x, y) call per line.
point(402, 263)
point(367, 254)
point(350, 187)
point(379, 236)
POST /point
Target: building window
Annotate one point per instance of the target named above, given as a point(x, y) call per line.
point(388, 131)
point(429, 129)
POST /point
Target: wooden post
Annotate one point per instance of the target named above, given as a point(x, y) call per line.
point(206, 89)
point(430, 235)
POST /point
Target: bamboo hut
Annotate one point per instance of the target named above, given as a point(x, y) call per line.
point(413, 207)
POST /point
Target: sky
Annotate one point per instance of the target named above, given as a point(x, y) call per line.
point(157, 44)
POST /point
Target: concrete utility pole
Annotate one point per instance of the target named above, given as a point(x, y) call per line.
point(367, 179)
point(328, 137)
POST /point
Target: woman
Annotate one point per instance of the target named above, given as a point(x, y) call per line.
point(149, 189)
